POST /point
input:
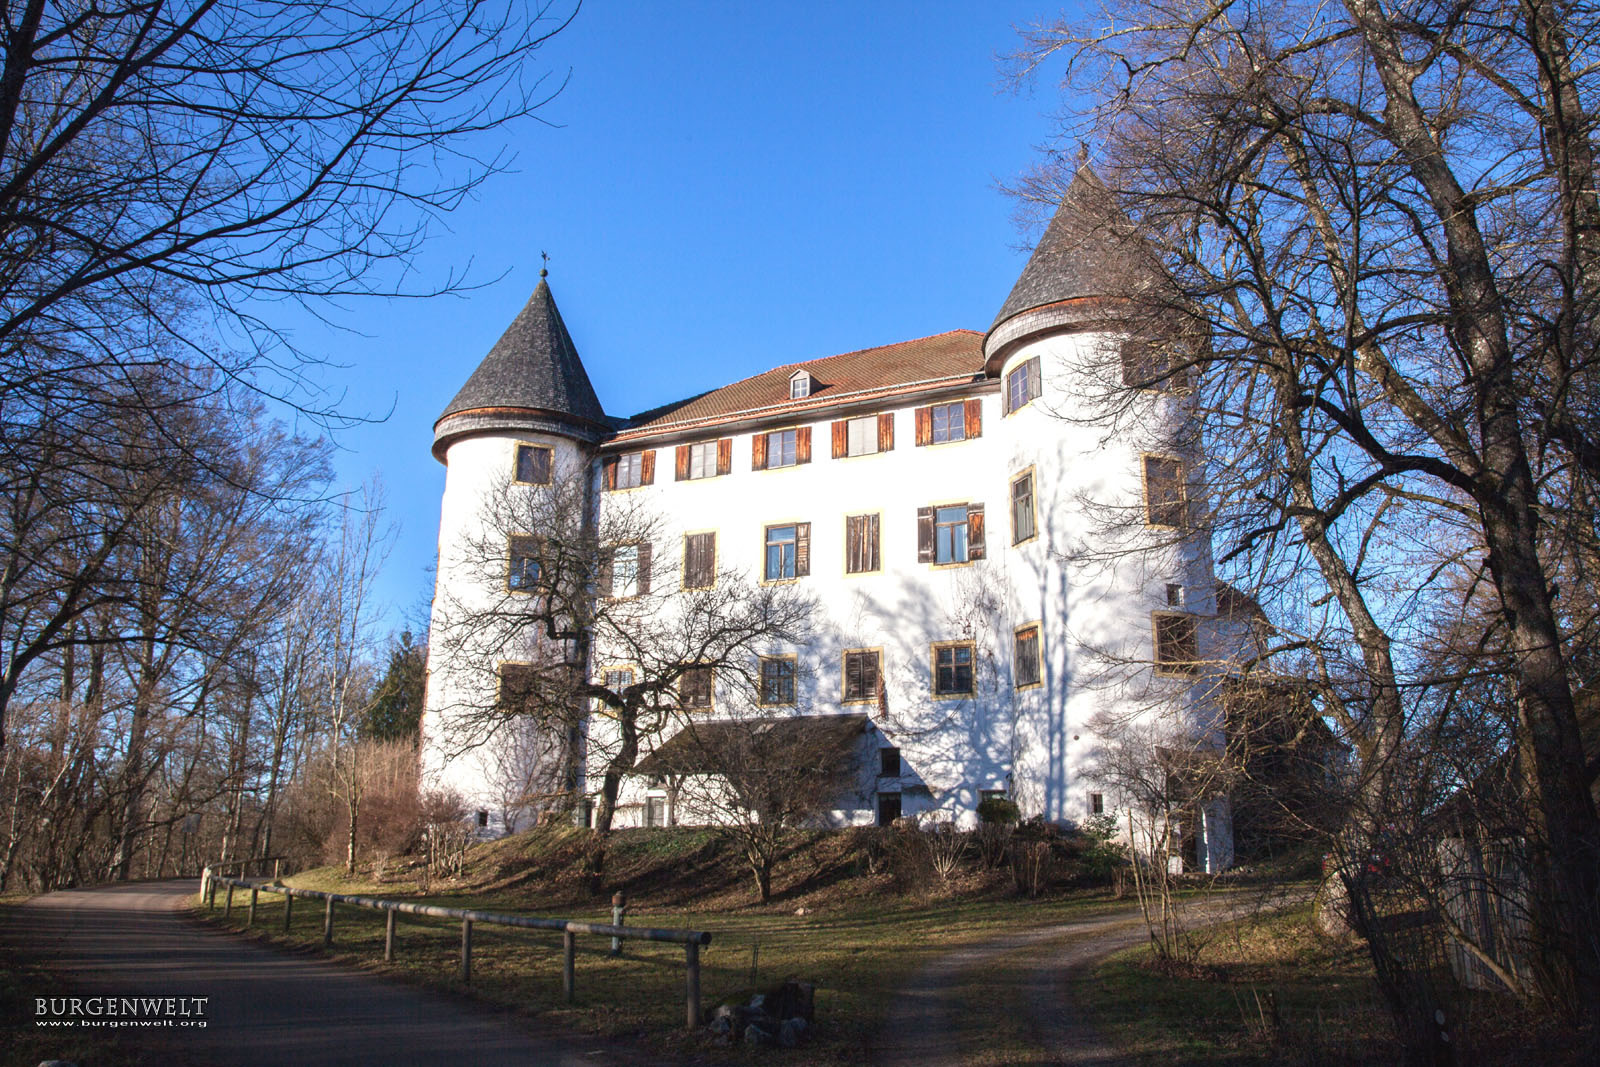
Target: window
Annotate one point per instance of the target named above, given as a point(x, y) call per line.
point(629, 471)
point(1174, 595)
point(705, 459)
point(788, 552)
point(888, 762)
point(655, 811)
point(1024, 524)
point(1097, 803)
point(952, 669)
point(1177, 643)
point(941, 423)
point(523, 576)
point(949, 423)
point(1027, 670)
point(483, 819)
point(888, 808)
point(694, 688)
point(777, 679)
point(618, 678)
point(1163, 492)
point(861, 675)
point(699, 560)
point(533, 464)
point(861, 544)
point(626, 572)
point(950, 535)
point(1022, 384)
point(861, 436)
point(780, 448)
point(518, 687)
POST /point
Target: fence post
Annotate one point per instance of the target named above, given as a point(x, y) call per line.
point(388, 936)
point(254, 894)
point(277, 868)
point(227, 907)
point(569, 965)
point(466, 951)
point(327, 924)
point(288, 909)
point(619, 915)
point(691, 957)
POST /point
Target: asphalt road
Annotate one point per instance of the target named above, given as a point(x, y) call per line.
point(266, 1008)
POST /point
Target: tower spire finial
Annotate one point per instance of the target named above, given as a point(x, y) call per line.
point(544, 271)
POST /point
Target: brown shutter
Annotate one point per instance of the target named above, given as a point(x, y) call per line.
point(608, 472)
point(758, 451)
point(886, 432)
point(924, 426)
point(974, 418)
point(647, 467)
point(802, 549)
point(605, 579)
point(924, 535)
point(841, 439)
point(853, 526)
point(1035, 383)
point(644, 567)
point(681, 463)
point(975, 546)
point(872, 542)
point(802, 445)
point(725, 455)
point(1005, 395)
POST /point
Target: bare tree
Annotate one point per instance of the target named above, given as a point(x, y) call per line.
point(1382, 221)
point(584, 595)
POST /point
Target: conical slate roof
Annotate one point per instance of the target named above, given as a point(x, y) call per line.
point(534, 365)
point(1091, 248)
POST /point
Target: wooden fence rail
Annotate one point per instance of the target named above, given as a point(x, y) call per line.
point(691, 940)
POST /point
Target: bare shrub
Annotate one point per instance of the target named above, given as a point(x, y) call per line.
point(1032, 862)
point(944, 844)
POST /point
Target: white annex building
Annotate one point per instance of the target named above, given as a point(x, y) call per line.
point(946, 503)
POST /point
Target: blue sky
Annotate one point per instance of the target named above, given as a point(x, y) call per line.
point(726, 187)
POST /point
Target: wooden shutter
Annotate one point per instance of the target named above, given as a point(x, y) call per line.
point(1163, 491)
point(841, 439)
point(725, 455)
point(924, 535)
point(872, 542)
point(802, 445)
point(608, 472)
point(802, 549)
point(974, 418)
point(924, 426)
point(699, 560)
point(605, 579)
point(681, 463)
point(758, 451)
point(644, 567)
point(647, 467)
point(1035, 380)
point(975, 546)
point(854, 525)
point(886, 432)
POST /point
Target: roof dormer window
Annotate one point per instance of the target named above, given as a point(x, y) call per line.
point(799, 385)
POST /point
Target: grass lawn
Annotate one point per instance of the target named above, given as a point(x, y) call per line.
point(857, 955)
point(1262, 991)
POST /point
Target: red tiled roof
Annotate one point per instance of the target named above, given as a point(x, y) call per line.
point(911, 366)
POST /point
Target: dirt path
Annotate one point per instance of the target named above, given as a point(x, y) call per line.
point(1048, 968)
point(265, 1007)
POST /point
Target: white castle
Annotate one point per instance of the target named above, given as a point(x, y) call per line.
point(945, 500)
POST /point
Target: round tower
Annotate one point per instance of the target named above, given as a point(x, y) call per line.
point(1093, 423)
point(525, 421)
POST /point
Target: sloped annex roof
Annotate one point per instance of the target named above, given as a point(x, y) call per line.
point(1090, 249)
point(925, 363)
point(534, 366)
point(690, 750)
